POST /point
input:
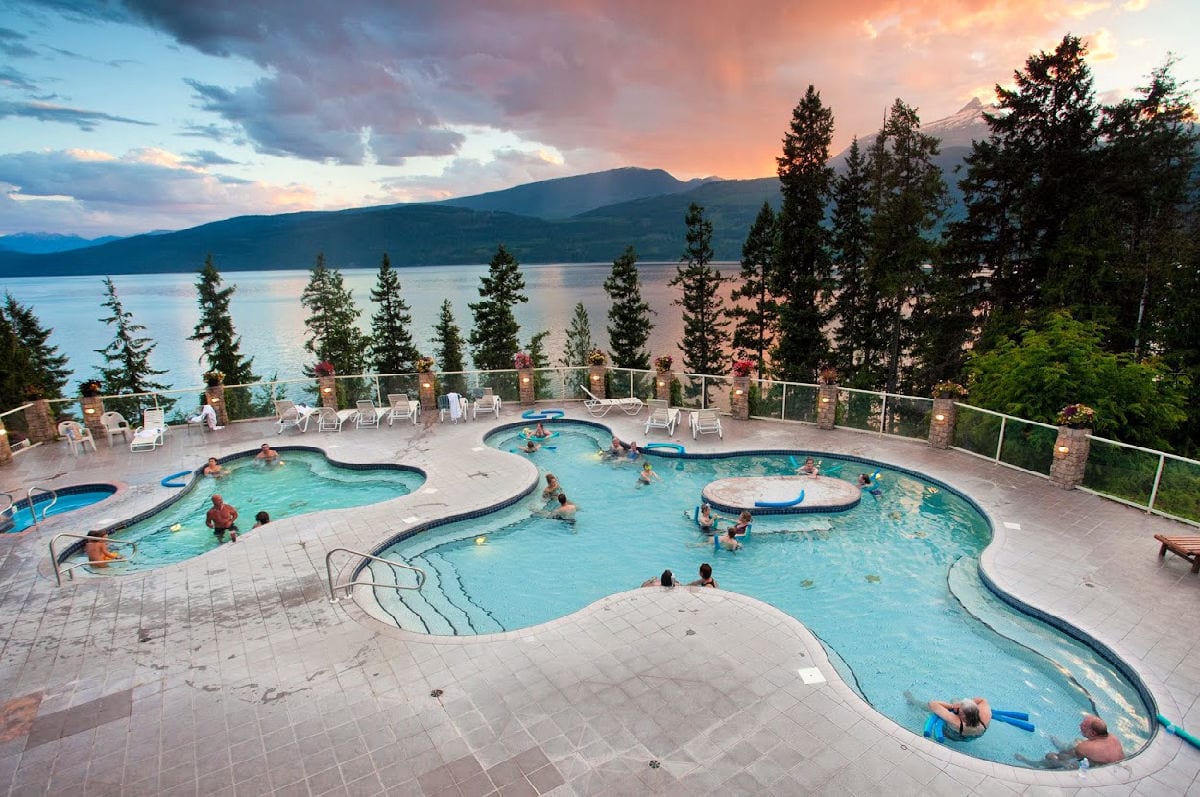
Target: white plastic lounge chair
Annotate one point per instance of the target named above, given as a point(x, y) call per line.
point(292, 416)
point(488, 402)
point(79, 437)
point(367, 414)
point(400, 408)
point(454, 405)
point(662, 418)
point(706, 422)
point(599, 407)
point(329, 419)
point(150, 434)
point(114, 424)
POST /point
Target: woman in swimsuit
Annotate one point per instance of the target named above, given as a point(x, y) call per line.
point(965, 719)
point(553, 488)
point(540, 432)
point(706, 579)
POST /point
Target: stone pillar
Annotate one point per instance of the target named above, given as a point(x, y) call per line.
point(526, 386)
point(5, 449)
point(427, 389)
point(827, 396)
point(596, 380)
point(41, 425)
point(739, 398)
point(93, 408)
point(941, 425)
point(216, 399)
point(662, 385)
point(328, 387)
point(1070, 457)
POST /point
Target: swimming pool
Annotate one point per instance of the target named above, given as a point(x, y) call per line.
point(306, 482)
point(891, 587)
point(20, 517)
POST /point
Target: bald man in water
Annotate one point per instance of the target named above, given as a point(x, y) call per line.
point(1097, 746)
point(221, 518)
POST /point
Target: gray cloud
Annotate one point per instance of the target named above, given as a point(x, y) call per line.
point(84, 120)
point(206, 157)
point(11, 78)
point(13, 44)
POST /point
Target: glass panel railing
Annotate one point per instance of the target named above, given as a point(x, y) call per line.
point(1120, 471)
point(243, 402)
point(1027, 445)
point(1179, 489)
point(800, 403)
point(908, 416)
point(690, 390)
point(408, 384)
point(977, 431)
point(859, 409)
point(766, 399)
point(719, 390)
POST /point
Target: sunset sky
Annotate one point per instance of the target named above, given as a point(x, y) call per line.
point(125, 117)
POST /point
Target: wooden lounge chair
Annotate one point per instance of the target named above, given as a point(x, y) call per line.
point(1188, 547)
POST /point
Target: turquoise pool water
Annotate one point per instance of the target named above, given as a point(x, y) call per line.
point(20, 516)
point(305, 482)
point(890, 587)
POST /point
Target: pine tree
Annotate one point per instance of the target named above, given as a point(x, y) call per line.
point(628, 315)
point(220, 344)
point(127, 358)
point(448, 348)
point(537, 353)
point(1031, 193)
point(908, 200)
point(802, 266)
point(494, 339)
point(392, 348)
point(1149, 163)
point(850, 240)
point(46, 369)
point(333, 333)
point(704, 335)
point(15, 376)
point(756, 325)
point(579, 339)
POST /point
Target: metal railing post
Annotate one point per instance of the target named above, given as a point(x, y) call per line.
point(1000, 439)
point(1162, 459)
point(883, 415)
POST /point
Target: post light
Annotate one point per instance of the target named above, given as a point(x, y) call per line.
point(525, 380)
point(661, 383)
point(425, 385)
point(737, 392)
point(824, 399)
point(3, 432)
point(326, 390)
point(939, 417)
point(89, 411)
point(214, 400)
point(595, 377)
point(1064, 450)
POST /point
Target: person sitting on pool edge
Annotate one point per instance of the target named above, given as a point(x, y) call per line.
point(213, 468)
point(706, 579)
point(965, 719)
point(665, 580)
point(1097, 746)
point(96, 548)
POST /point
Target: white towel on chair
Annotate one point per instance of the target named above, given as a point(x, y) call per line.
point(455, 406)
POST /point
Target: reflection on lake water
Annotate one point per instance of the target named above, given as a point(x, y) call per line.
point(268, 315)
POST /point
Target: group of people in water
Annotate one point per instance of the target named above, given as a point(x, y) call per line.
point(553, 493)
point(667, 579)
point(970, 717)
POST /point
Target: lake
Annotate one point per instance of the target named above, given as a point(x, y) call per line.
point(268, 315)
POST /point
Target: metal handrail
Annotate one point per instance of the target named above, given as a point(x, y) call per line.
point(11, 503)
point(46, 508)
point(58, 571)
point(333, 598)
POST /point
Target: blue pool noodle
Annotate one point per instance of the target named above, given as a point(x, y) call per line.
point(1021, 715)
point(795, 464)
point(929, 723)
point(1015, 721)
point(798, 500)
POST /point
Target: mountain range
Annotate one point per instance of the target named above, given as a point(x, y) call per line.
point(583, 219)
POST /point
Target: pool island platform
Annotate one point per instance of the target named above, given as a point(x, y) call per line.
point(233, 674)
point(776, 495)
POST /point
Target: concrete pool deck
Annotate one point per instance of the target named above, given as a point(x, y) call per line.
point(232, 673)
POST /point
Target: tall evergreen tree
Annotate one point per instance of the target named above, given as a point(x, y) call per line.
point(127, 366)
point(1031, 192)
point(909, 199)
point(17, 371)
point(802, 265)
point(392, 348)
point(755, 325)
point(628, 315)
point(333, 333)
point(448, 348)
point(537, 353)
point(704, 326)
point(494, 339)
point(46, 368)
point(1150, 159)
point(855, 299)
point(579, 339)
point(220, 344)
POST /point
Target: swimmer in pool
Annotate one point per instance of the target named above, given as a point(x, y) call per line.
point(665, 580)
point(530, 447)
point(647, 475)
point(540, 432)
point(214, 469)
point(553, 488)
point(729, 540)
point(809, 468)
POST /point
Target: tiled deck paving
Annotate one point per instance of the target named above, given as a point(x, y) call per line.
point(233, 674)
